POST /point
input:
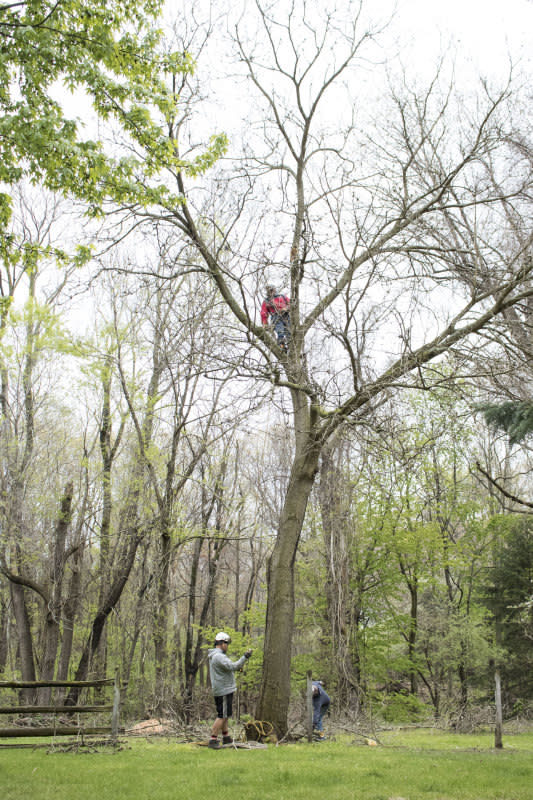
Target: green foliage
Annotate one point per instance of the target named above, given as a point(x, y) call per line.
point(48, 333)
point(107, 51)
point(44, 42)
point(414, 543)
point(253, 617)
point(516, 419)
point(401, 707)
point(301, 664)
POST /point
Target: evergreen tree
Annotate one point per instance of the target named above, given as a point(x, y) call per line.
point(516, 419)
point(508, 593)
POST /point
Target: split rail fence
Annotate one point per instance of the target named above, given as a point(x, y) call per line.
point(57, 711)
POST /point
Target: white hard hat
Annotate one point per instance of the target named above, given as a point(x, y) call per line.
point(222, 637)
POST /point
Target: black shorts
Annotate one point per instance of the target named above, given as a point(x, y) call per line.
point(224, 705)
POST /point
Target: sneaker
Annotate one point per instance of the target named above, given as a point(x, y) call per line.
point(214, 744)
point(227, 740)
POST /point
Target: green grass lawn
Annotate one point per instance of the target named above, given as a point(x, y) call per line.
point(408, 765)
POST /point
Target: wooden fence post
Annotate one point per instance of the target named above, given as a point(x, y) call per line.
point(63, 729)
point(498, 728)
point(309, 706)
point(116, 706)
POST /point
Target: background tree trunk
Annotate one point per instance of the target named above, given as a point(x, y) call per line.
point(54, 612)
point(343, 607)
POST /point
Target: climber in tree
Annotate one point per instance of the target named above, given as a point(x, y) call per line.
point(275, 310)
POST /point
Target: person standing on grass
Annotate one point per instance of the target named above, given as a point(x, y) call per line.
point(222, 673)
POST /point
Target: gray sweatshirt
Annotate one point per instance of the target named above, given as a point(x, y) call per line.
point(222, 671)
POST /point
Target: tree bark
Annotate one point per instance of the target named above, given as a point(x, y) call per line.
point(25, 644)
point(70, 609)
point(161, 618)
point(3, 635)
point(128, 656)
point(55, 592)
point(22, 619)
point(274, 697)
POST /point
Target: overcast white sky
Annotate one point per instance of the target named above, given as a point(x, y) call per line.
point(486, 31)
point(481, 37)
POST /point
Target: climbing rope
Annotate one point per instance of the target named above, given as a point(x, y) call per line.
point(258, 730)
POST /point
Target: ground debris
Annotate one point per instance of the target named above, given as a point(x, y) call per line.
point(237, 745)
point(150, 727)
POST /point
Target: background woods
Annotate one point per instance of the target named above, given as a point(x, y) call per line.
point(167, 468)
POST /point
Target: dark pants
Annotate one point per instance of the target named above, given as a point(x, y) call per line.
point(318, 716)
point(224, 704)
point(281, 326)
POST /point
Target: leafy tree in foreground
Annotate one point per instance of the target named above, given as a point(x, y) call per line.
point(105, 51)
point(83, 45)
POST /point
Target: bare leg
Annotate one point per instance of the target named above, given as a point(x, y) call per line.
point(220, 724)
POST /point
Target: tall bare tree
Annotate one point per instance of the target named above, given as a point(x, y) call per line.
point(340, 192)
point(353, 208)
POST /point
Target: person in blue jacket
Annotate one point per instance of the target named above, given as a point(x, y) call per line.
point(222, 673)
point(321, 703)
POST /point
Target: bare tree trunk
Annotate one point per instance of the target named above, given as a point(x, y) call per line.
point(258, 557)
point(108, 451)
point(410, 574)
point(71, 603)
point(3, 634)
point(237, 583)
point(161, 619)
point(137, 624)
point(70, 609)
point(412, 635)
point(25, 644)
point(274, 696)
point(55, 592)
